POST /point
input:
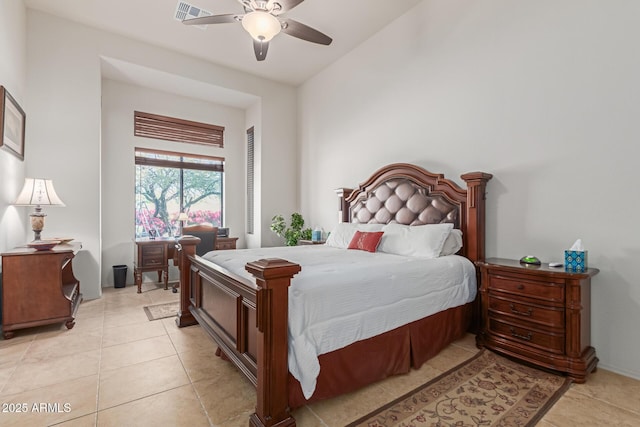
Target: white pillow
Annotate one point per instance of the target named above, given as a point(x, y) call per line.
point(452, 243)
point(370, 227)
point(425, 241)
point(341, 235)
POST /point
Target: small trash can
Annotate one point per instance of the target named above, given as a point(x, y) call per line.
point(120, 276)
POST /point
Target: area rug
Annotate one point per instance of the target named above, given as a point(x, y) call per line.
point(486, 390)
point(160, 311)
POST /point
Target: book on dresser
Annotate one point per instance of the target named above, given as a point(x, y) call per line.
point(39, 287)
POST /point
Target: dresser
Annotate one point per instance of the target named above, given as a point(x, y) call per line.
point(538, 314)
point(39, 287)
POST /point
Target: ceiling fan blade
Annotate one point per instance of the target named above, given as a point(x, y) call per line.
point(213, 19)
point(304, 32)
point(286, 5)
point(260, 49)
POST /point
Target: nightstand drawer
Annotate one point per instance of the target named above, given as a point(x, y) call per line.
point(552, 317)
point(545, 341)
point(543, 290)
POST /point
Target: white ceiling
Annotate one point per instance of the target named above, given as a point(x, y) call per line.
point(290, 60)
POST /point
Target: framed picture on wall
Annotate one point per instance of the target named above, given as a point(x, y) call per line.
point(12, 124)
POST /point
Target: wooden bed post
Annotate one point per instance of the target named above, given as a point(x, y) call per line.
point(475, 232)
point(185, 247)
point(273, 277)
point(343, 206)
point(475, 243)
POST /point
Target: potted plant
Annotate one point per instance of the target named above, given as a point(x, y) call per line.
point(294, 232)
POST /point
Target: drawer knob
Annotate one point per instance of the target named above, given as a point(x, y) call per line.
point(520, 286)
point(514, 310)
point(522, 337)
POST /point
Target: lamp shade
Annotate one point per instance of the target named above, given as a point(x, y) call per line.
point(262, 26)
point(38, 192)
point(183, 217)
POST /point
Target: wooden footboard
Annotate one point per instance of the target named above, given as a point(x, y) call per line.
point(247, 320)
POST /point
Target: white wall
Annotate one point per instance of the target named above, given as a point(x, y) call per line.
point(545, 95)
point(64, 81)
point(64, 95)
point(119, 101)
point(13, 69)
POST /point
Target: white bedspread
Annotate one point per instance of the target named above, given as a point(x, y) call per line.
point(342, 296)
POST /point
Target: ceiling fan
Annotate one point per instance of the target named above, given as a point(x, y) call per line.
point(263, 20)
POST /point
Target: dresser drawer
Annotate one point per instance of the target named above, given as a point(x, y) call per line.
point(531, 337)
point(543, 290)
point(549, 316)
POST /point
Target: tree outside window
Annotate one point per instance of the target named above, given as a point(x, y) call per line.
point(170, 183)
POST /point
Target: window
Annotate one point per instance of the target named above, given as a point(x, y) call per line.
point(168, 183)
point(250, 180)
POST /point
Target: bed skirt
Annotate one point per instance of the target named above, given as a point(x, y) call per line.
point(374, 359)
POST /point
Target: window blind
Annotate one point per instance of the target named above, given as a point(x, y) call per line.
point(179, 130)
point(170, 159)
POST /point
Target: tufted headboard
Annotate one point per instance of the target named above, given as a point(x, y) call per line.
point(408, 194)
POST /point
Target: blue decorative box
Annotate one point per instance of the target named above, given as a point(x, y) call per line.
point(575, 260)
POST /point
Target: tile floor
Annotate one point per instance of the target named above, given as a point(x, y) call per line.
point(117, 368)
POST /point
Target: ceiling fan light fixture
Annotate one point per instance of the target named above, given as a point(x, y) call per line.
point(262, 26)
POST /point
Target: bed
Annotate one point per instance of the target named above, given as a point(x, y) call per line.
point(244, 303)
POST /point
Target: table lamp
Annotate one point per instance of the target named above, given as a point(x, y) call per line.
point(182, 218)
point(38, 192)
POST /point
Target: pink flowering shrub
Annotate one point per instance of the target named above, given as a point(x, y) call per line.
point(202, 216)
point(146, 221)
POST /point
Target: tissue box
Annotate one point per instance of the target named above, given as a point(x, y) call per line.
point(575, 260)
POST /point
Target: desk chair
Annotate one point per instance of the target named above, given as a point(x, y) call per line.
point(207, 234)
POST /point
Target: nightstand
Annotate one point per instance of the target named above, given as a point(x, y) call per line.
point(310, 242)
point(538, 314)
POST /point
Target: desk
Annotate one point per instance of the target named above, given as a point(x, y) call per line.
point(153, 255)
point(223, 243)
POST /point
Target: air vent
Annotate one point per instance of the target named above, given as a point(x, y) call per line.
point(185, 10)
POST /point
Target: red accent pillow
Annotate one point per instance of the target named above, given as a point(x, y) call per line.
point(366, 240)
